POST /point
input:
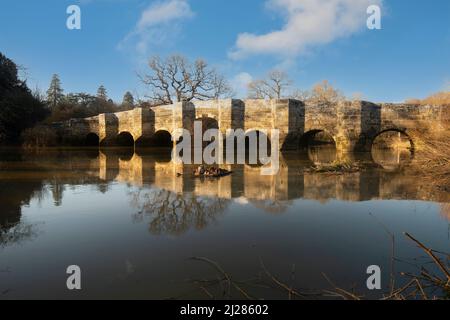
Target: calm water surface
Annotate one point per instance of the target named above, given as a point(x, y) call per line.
point(131, 221)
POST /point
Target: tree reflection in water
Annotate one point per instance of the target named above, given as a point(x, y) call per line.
point(17, 233)
point(176, 213)
point(13, 196)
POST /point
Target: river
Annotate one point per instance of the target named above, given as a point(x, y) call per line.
point(132, 220)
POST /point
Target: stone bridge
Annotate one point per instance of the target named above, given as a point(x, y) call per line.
point(353, 125)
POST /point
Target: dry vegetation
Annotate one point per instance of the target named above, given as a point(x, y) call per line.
point(438, 99)
point(432, 143)
point(433, 154)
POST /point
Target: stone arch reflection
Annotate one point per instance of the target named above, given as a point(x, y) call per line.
point(392, 148)
point(319, 146)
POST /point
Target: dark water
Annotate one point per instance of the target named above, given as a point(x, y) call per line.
point(131, 222)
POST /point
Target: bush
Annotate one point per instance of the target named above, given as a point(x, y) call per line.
point(39, 137)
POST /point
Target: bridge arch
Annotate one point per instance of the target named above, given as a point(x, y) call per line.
point(92, 140)
point(400, 144)
point(125, 139)
point(401, 131)
point(319, 145)
point(316, 137)
point(162, 139)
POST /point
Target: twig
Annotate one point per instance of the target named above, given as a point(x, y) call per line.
point(279, 283)
point(421, 289)
point(397, 292)
point(207, 292)
point(431, 254)
point(341, 291)
point(227, 277)
point(217, 267)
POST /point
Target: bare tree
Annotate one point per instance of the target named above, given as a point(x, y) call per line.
point(302, 95)
point(325, 93)
point(175, 79)
point(321, 93)
point(272, 87)
point(221, 87)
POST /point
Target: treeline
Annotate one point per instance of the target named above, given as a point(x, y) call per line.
point(26, 116)
point(19, 107)
point(63, 107)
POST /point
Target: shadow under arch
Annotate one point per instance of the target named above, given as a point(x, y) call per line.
point(162, 139)
point(92, 140)
point(160, 145)
point(318, 145)
point(125, 139)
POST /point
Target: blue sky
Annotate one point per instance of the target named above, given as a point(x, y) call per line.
point(312, 40)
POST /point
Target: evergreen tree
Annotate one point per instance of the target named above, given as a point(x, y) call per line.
point(19, 108)
point(54, 92)
point(128, 100)
point(101, 93)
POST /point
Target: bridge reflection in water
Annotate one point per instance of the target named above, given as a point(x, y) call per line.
point(292, 181)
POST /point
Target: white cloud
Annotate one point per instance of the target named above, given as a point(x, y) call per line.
point(308, 23)
point(164, 12)
point(157, 25)
point(240, 83)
